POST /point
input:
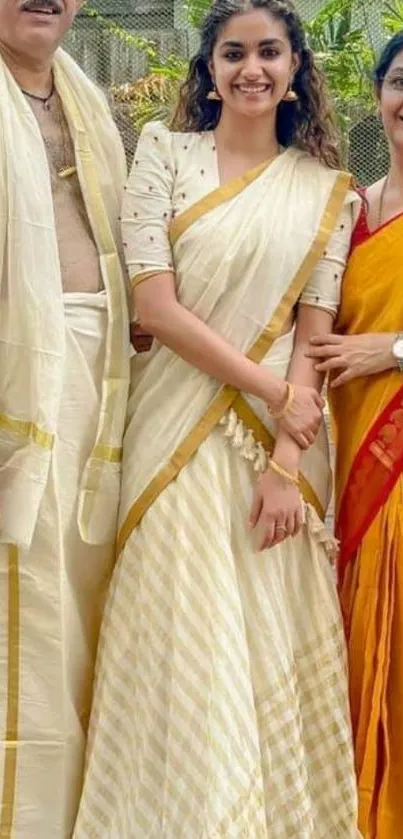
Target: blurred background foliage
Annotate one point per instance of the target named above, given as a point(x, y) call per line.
point(345, 36)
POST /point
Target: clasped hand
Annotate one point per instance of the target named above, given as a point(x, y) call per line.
point(303, 418)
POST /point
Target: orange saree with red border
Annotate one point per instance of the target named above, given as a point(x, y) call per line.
point(368, 420)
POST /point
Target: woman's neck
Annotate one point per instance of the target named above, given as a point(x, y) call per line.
point(395, 177)
point(245, 137)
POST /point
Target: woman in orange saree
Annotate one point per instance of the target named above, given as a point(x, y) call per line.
point(366, 360)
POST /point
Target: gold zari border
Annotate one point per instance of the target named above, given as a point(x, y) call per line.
point(13, 689)
point(110, 454)
point(113, 377)
point(27, 429)
point(214, 199)
point(259, 349)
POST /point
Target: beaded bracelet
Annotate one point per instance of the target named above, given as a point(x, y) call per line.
point(275, 467)
point(287, 405)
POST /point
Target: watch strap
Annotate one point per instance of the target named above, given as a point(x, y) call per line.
point(399, 359)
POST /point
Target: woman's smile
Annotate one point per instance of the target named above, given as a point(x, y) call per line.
point(249, 89)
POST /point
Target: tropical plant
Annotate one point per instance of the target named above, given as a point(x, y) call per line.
point(392, 16)
point(342, 47)
point(152, 97)
point(344, 51)
point(339, 34)
point(195, 11)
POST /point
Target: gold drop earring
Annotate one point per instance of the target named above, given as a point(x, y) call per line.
point(213, 95)
point(291, 95)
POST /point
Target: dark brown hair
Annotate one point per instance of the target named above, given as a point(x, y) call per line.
point(307, 124)
point(387, 57)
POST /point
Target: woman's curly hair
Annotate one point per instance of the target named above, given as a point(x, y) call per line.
point(307, 124)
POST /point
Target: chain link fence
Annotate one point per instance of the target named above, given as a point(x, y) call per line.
point(137, 49)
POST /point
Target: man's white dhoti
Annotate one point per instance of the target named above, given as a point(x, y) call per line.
point(64, 378)
point(51, 599)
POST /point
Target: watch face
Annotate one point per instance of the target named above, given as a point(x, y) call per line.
point(398, 349)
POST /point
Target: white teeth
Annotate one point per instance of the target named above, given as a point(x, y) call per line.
point(252, 89)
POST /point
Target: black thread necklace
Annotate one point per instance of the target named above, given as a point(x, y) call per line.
point(44, 99)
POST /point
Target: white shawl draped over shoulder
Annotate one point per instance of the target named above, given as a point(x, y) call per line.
point(32, 329)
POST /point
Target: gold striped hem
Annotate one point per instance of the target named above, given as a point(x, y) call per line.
point(27, 429)
point(13, 690)
point(263, 436)
point(218, 196)
point(109, 454)
point(259, 349)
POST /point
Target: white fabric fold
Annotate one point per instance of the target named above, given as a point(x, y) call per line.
point(32, 334)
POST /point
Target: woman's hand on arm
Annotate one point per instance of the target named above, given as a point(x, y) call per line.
point(347, 357)
point(162, 315)
point(302, 370)
point(277, 511)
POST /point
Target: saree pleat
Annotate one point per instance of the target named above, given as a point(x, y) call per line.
point(372, 601)
point(234, 668)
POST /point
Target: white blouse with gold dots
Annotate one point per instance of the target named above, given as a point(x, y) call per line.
point(172, 171)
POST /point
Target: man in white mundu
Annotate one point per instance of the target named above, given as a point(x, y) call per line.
point(64, 373)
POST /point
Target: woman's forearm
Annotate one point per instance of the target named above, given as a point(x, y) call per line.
point(199, 345)
point(301, 371)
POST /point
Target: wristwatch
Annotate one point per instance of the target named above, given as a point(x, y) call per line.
point(397, 350)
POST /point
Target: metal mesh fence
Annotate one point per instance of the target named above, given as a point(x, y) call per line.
point(137, 50)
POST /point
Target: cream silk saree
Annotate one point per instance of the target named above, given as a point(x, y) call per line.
point(221, 696)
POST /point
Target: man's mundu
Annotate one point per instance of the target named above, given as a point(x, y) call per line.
point(64, 376)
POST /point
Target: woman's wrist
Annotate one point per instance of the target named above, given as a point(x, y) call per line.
point(274, 393)
point(383, 344)
point(390, 357)
point(287, 453)
point(287, 475)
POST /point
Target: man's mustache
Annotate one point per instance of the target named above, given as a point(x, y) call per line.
point(38, 5)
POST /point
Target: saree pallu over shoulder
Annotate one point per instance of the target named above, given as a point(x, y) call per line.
point(241, 264)
point(32, 327)
point(369, 448)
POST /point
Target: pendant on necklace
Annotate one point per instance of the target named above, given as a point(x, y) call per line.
point(67, 172)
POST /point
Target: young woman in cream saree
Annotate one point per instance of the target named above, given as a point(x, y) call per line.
point(221, 704)
point(367, 400)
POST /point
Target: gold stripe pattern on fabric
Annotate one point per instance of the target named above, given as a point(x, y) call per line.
point(218, 196)
point(113, 379)
point(27, 429)
point(110, 454)
point(256, 353)
point(13, 690)
point(263, 435)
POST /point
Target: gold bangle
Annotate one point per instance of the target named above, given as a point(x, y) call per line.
point(292, 479)
point(287, 405)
